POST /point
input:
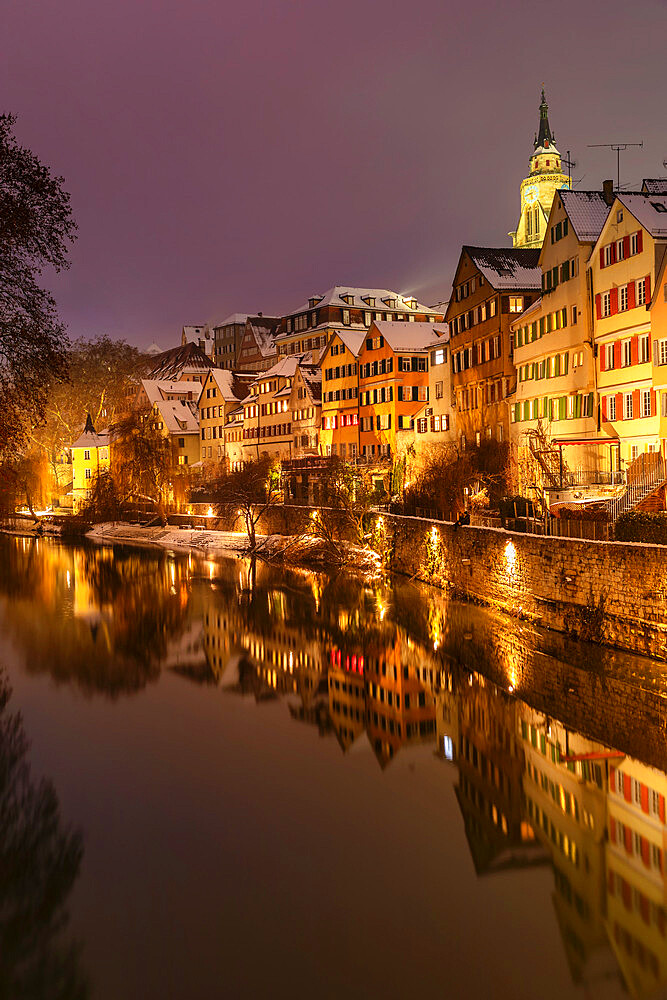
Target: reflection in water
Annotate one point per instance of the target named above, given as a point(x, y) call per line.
point(559, 748)
point(39, 863)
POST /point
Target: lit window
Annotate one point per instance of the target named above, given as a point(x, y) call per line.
point(516, 303)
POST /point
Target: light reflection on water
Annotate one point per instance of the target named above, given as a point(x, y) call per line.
point(556, 750)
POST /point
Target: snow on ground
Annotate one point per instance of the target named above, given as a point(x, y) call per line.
point(188, 539)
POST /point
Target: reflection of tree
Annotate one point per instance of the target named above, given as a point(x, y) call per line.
point(39, 863)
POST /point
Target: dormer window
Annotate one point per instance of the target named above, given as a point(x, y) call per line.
point(348, 299)
point(390, 303)
point(288, 326)
point(369, 300)
point(312, 302)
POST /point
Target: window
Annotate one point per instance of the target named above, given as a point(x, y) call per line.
point(620, 250)
point(611, 414)
point(609, 356)
point(438, 390)
point(646, 402)
point(644, 356)
point(492, 307)
point(181, 442)
point(86, 455)
point(626, 353)
point(641, 292)
point(627, 406)
point(346, 317)
point(606, 304)
point(608, 258)
point(88, 473)
point(623, 298)
point(516, 303)
point(634, 244)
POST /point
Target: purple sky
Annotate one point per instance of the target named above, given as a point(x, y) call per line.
point(239, 157)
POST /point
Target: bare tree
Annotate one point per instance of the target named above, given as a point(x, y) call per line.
point(36, 228)
point(248, 493)
point(142, 462)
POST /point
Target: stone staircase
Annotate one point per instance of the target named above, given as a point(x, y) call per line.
point(646, 475)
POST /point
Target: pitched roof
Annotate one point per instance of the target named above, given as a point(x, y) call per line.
point(187, 358)
point(285, 367)
point(410, 336)
point(650, 210)
point(508, 267)
point(587, 211)
point(232, 318)
point(160, 388)
point(654, 185)
point(232, 385)
point(312, 379)
point(179, 416)
point(263, 329)
point(352, 339)
point(89, 438)
point(334, 296)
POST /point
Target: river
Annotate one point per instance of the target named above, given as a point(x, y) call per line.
point(221, 780)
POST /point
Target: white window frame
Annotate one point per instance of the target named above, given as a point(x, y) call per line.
point(626, 353)
point(640, 294)
point(611, 415)
point(606, 304)
point(645, 402)
point(622, 298)
point(627, 406)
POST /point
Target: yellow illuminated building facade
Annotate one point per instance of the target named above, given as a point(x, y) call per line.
point(539, 188)
point(90, 457)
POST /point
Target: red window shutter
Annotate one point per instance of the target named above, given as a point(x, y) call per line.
point(628, 840)
point(646, 855)
point(661, 808)
point(635, 403)
point(632, 302)
point(613, 297)
point(654, 402)
point(648, 288)
point(613, 253)
point(601, 256)
point(640, 241)
point(619, 405)
point(617, 354)
point(634, 350)
point(644, 796)
point(627, 786)
point(602, 354)
point(604, 417)
point(598, 306)
point(626, 247)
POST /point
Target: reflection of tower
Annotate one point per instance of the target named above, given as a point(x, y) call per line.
point(637, 875)
point(538, 189)
point(565, 802)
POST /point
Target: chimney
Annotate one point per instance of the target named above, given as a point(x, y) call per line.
point(608, 192)
point(260, 314)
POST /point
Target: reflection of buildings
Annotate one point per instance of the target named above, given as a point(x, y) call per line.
point(490, 763)
point(636, 855)
point(565, 803)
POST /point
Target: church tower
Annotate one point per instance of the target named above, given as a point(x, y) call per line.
point(539, 187)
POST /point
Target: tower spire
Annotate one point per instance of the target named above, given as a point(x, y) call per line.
point(544, 136)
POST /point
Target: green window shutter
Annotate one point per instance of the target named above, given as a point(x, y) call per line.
point(551, 409)
point(590, 405)
point(566, 363)
point(543, 743)
point(557, 365)
point(577, 405)
point(565, 227)
point(562, 407)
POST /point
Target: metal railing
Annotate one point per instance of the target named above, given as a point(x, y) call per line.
point(644, 475)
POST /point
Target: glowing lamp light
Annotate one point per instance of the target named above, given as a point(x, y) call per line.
point(209, 512)
point(510, 557)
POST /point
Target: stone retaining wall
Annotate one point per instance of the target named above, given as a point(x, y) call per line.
point(609, 592)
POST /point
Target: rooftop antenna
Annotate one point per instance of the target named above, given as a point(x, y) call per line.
point(618, 147)
point(570, 164)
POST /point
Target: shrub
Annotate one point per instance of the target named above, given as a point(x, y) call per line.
point(642, 526)
point(599, 514)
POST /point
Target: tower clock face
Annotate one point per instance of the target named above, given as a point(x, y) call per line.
point(530, 194)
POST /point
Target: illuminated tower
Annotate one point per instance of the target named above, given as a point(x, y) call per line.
point(540, 186)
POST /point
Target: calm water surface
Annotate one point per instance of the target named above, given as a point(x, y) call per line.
point(227, 782)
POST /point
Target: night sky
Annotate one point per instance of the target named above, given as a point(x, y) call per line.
point(240, 157)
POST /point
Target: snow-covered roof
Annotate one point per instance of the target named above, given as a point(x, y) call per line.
point(410, 336)
point(231, 385)
point(312, 379)
point(510, 268)
point(650, 210)
point(353, 339)
point(186, 358)
point(358, 298)
point(233, 318)
point(587, 211)
point(153, 349)
point(90, 438)
point(285, 367)
point(264, 330)
point(193, 333)
point(179, 416)
point(161, 388)
point(655, 185)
